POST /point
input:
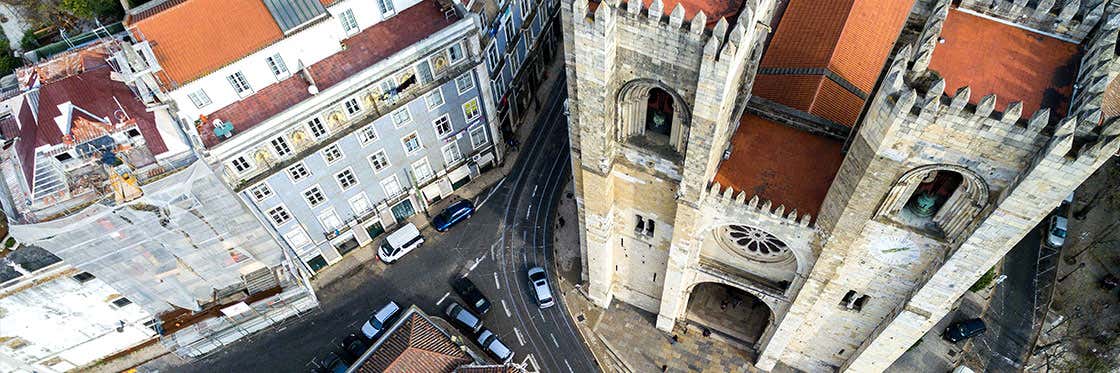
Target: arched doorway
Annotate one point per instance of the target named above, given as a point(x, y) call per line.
point(728, 311)
point(651, 114)
point(937, 199)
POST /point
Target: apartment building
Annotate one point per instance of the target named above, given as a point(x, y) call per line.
point(332, 120)
point(520, 38)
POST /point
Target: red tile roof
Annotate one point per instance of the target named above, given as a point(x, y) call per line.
point(781, 164)
point(849, 38)
point(192, 38)
point(713, 9)
point(363, 50)
point(92, 90)
point(1013, 63)
point(416, 345)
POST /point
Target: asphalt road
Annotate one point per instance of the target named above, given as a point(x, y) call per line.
point(1010, 315)
point(508, 234)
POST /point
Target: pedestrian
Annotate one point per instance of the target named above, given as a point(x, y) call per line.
point(674, 339)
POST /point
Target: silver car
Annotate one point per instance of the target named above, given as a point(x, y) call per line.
point(378, 322)
point(490, 342)
point(539, 279)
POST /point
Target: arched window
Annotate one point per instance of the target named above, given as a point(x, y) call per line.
point(650, 113)
point(941, 199)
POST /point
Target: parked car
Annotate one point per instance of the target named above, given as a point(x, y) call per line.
point(963, 330)
point(354, 345)
point(493, 346)
point(474, 298)
point(1056, 233)
point(331, 363)
point(380, 320)
point(453, 214)
point(539, 279)
point(463, 317)
point(400, 242)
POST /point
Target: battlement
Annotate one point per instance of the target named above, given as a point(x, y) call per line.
point(723, 38)
point(1072, 19)
point(719, 195)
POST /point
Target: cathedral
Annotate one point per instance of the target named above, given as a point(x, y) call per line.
point(822, 180)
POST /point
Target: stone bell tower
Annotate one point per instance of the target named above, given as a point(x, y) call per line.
point(652, 89)
point(952, 164)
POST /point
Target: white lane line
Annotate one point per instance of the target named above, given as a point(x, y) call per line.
point(506, 308)
point(541, 313)
point(443, 298)
point(530, 210)
point(569, 366)
point(554, 341)
point(496, 283)
point(475, 265)
point(492, 190)
point(519, 338)
point(535, 190)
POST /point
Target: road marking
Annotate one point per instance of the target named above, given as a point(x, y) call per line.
point(569, 366)
point(492, 190)
point(541, 313)
point(529, 211)
point(506, 308)
point(475, 265)
point(554, 340)
point(519, 339)
point(535, 190)
point(496, 283)
point(443, 298)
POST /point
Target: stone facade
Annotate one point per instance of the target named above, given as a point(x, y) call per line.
point(1013, 167)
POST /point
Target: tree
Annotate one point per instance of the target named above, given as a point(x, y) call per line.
point(1086, 341)
point(87, 9)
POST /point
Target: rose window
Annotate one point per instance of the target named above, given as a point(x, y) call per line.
point(754, 243)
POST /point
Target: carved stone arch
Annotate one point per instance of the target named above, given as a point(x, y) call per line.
point(956, 213)
point(630, 106)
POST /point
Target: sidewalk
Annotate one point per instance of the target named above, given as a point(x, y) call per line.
point(624, 338)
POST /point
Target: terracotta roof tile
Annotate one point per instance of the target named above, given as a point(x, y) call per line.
point(814, 94)
point(835, 103)
point(363, 50)
point(778, 163)
point(713, 9)
point(220, 32)
point(416, 345)
point(1013, 63)
point(867, 39)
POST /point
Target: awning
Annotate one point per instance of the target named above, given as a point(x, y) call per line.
point(431, 192)
point(485, 158)
point(459, 173)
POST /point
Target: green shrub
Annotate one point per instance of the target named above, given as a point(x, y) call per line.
point(984, 280)
point(8, 62)
point(9, 242)
point(29, 41)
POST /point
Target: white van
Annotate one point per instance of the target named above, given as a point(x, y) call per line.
point(400, 242)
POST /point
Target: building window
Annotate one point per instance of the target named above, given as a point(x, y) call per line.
point(643, 226)
point(411, 143)
point(317, 128)
point(392, 186)
point(492, 56)
point(471, 110)
point(277, 66)
point(456, 53)
point(240, 84)
point(346, 179)
point(260, 192)
point(352, 107)
point(422, 170)
point(478, 136)
point(330, 220)
point(510, 31)
point(298, 172)
point(83, 277)
point(499, 87)
point(854, 301)
point(121, 302)
point(514, 62)
point(279, 215)
point(360, 204)
point(199, 98)
point(281, 146)
point(314, 196)
point(434, 99)
point(379, 160)
point(424, 71)
point(464, 83)
point(367, 135)
point(349, 24)
point(332, 154)
point(401, 117)
point(451, 153)
point(297, 238)
point(443, 125)
point(240, 164)
point(386, 7)
point(525, 8)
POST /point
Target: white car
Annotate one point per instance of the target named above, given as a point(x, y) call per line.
point(1056, 233)
point(400, 242)
point(539, 279)
point(377, 323)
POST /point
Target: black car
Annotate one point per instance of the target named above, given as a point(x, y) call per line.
point(353, 346)
point(470, 293)
point(332, 363)
point(963, 330)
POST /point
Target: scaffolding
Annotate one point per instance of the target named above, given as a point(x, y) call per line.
point(185, 243)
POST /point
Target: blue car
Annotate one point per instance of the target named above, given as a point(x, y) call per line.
point(453, 214)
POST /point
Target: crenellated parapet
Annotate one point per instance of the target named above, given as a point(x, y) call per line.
point(1099, 67)
point(717, 195)
point(1071, 19)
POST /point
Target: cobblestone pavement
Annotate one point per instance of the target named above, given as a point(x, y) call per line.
point(623, 337)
